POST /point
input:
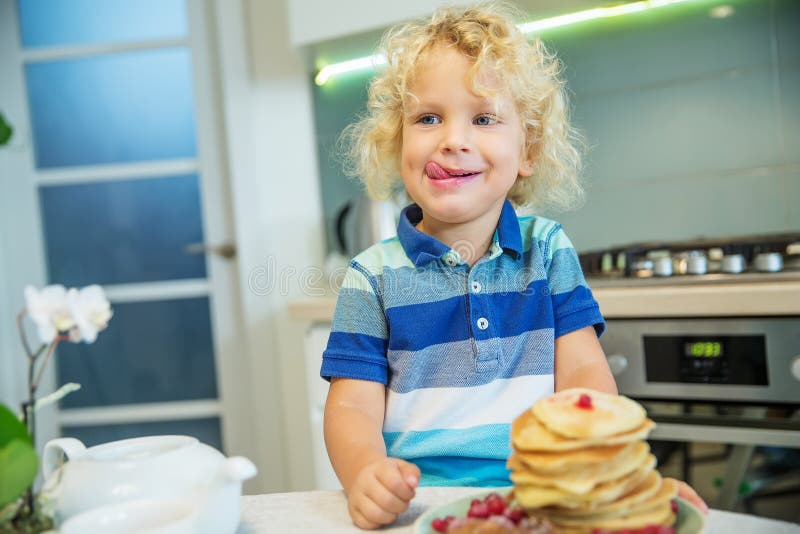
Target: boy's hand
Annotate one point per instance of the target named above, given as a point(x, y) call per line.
point(381, 491)
point(688, 494)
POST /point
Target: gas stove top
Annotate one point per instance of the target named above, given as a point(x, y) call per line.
point(756, 258)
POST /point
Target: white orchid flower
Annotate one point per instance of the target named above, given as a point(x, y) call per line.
point(90, 310)
point(48, 309)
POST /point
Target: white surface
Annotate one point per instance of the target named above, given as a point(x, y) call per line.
point(326, 511)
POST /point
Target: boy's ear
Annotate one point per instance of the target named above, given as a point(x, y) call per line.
point(525, 166)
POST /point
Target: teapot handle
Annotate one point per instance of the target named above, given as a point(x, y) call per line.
point(57, 449)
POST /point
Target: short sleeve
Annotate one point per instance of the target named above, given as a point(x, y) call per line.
point(359, 335)
point(574, 306)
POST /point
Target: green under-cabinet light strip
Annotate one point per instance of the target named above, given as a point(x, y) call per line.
point(370, 62)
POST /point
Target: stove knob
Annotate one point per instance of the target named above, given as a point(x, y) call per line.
point(796, 367)
point(618, 363)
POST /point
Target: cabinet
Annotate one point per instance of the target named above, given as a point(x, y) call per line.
point(315, 341)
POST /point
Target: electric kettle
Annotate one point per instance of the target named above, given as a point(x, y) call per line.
point(363, 222)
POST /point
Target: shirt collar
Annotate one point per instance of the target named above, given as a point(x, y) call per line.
point(423, 249)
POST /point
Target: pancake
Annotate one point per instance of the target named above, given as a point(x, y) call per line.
point(665, 492)
point(559, 462)
point(582, 478)
point(584, 413)
point(580, 460)
point(532, 497)
point(529, 434)
point(647, 488)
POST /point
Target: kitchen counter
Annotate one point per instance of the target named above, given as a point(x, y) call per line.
point(721, 296)
point(326, 511)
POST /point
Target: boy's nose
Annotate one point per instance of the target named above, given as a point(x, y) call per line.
point(455, 139)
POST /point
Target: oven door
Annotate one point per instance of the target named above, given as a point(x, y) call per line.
point(741, 360)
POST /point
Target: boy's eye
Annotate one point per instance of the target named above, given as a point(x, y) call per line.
point(429, 119)
point(485, 120)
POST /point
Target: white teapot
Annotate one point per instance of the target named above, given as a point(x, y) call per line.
point(153, 467)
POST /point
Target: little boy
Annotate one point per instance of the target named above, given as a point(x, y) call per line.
point(444, 334)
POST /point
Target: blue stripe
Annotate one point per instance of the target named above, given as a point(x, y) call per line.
point(485, 441)
point(509, 314)
point(565, 273)
point(575, 310)
point(359, 311)
point(454, 364)
point(418, 326)
point(454, 471)
point(355, 356)
point(482, 452)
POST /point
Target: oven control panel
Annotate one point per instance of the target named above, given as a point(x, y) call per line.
point(734, 359)
point(712, 359)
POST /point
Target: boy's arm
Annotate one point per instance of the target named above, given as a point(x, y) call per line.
point(581, 362)
point(378, 488)
point(354, 413)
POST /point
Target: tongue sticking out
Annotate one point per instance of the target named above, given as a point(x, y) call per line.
point(436, 171)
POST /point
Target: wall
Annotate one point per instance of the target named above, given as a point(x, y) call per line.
point(693, 123)
point(313, 21)
point(269, 134)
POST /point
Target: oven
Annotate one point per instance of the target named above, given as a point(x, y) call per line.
point(710, 345)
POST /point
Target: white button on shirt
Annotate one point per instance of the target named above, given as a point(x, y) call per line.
point(476, 286)
point(483, 323)
point(451, 258)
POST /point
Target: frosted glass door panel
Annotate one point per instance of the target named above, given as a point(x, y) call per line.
point(117, 108)
point(82, 22)
point(123, 231)
point(205, 430)
point(151, 352)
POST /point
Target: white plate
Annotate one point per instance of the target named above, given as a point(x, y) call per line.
point(690, 519)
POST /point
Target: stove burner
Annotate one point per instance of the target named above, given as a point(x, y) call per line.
point(758, 254)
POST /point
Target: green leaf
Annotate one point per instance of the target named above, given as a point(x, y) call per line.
point(6, 130)
point(11, 427)
point(18, 467)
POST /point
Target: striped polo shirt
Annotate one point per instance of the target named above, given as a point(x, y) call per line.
point(462, 350)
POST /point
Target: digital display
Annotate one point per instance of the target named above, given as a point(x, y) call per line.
point(703, 349)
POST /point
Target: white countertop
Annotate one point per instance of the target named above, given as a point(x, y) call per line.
point(777, 295)
point(320, 512)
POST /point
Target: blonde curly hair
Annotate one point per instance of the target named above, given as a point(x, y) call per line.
point(486, 35)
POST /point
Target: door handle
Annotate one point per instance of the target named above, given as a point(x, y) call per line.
point(223, 250)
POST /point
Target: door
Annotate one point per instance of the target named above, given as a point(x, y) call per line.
point(115, 176)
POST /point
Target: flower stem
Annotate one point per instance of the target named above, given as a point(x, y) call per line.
point(22, 336)
point(29, 416)
point(51, 348)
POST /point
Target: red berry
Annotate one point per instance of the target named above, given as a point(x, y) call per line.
point(674, 505)
point(602, 531)
point(473, 502)
point(514, 514)
point(627, 531)
point(449, 519)
point(664, 530)
point(439, 525)
point(649, 529)
point(480, 510)
point(496, 507)
point(584, 401)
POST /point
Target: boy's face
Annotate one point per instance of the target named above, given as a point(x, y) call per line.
point(461, 153)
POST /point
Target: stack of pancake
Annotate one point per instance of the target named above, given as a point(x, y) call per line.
point(580, 460)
